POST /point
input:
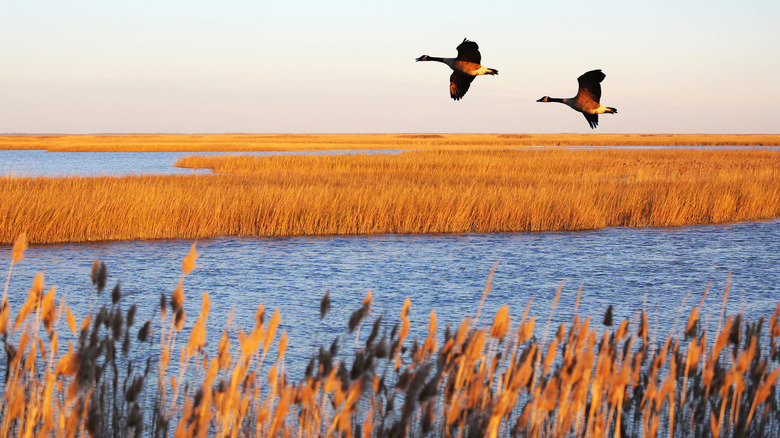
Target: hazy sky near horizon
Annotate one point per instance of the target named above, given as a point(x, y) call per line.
point(347, 66)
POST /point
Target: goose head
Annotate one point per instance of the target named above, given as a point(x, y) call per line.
point(544, 99)
point(423, 58)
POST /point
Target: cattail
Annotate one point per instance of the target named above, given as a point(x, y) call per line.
point(99, 275)
point(143, 333)
point(126, 343)
point(429, 390)
point(163, 302)
point(343, 375)
point(404, 380)
point(131, 395)
point(380, 350)
point(102, 317)
point(735, 333)
point(117, 323)
point(374, 332)
point(179, 319)
point(116, 294)
point(325, 304)
point(130, 319)
point(309, 368)
point(334, 347)
point(358, 366)
point(355, 318)
point(608, 316)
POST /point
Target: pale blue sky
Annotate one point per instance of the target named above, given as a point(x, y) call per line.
point(348, 66)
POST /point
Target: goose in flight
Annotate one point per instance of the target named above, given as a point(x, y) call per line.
point(464, 68)
point(587, 99)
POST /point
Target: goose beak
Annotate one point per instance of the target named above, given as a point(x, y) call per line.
point(420, 58)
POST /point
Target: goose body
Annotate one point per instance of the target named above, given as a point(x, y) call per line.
point(587, 99)
point(465, 67)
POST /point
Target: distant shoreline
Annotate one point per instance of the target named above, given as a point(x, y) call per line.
point(291, 142)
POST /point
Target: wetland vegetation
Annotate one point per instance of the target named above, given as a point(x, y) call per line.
point(120, 372)
point(128, 374)
point(440, 191)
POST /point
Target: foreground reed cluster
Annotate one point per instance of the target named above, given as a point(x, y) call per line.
point(410, 192)
point(505, 377)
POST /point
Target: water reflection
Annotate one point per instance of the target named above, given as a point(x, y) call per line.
point(627, 267)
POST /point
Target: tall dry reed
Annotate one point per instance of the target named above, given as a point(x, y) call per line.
point(491, 378)
point(411, 192)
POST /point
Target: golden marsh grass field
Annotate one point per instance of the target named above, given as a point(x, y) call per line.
point(421, 191)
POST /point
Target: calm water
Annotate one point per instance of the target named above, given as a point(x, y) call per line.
point(43, 163)
point(626, 267)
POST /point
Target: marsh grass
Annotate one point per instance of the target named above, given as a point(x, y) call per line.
point(484, 377)
point(411, 192)
point(276, 142)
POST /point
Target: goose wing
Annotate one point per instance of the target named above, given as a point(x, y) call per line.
point(590, 86)
point(469, 51)
point(593, 120)
point(459, 84)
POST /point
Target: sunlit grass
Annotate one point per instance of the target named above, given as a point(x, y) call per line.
point(270, 142)
point(501, 375)
point(411, 192)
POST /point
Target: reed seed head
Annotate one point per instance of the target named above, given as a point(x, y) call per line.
point(20, 245)
point(608, 316)
point(325, 304)
point(188, 264)
point(99, 275)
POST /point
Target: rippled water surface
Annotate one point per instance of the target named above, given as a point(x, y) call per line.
point(629, 268)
